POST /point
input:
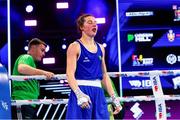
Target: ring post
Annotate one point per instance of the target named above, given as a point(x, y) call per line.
point(158, 92)
point(5, 104)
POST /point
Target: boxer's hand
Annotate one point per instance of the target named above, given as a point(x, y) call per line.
point(83, 100)
point(116, 104)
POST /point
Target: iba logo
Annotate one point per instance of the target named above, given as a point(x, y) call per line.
point(155, 84)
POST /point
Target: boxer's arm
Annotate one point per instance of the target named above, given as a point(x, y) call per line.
point(108, 86)
point(106, 80)
point(72, 54)
point(83, 100)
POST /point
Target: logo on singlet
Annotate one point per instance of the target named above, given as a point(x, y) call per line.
point(100, 57)
point(86, 59)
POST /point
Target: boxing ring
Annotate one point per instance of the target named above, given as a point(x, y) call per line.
point(158, 96)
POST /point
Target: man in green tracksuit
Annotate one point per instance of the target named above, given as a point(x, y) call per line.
point(27, 90)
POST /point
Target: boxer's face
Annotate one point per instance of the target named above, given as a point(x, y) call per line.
point(90, 26)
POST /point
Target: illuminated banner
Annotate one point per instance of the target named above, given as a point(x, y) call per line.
point(140, 13)
point(140, 37)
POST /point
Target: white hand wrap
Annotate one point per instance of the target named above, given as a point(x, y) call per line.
point(115, 101)
point(81, 97)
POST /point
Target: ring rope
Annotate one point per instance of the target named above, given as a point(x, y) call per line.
point(144, 73)
point(111, 74)
point(123, 99)
point(36, 77)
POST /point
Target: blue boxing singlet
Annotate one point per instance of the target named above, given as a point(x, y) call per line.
point(89, 65)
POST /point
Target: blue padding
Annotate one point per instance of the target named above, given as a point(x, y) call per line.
point(5, 102)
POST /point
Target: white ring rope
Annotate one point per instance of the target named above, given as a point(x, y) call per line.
point(144, 73)
point(36, 77)
point(39, 101)
point(111, 74)
point(122, 99)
